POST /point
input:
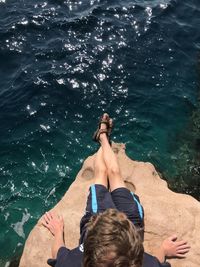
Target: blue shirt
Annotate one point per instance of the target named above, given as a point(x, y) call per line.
point(73, 258)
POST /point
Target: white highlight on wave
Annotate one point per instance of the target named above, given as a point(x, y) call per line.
point(40, 81)
point(50, 194)
point(149, 13)
point(60, 81)
point(164, 6)
point(45, 127)
point(23, 22)
point(30, 110)
point(74, 83)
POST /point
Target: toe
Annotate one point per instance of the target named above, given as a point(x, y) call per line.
point(104, 123)
point(105, 116)
point(110, 123)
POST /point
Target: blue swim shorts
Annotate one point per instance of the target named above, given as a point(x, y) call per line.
point(100, 199)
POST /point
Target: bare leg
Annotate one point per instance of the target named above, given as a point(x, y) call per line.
point(100, 170)
point(110, 159)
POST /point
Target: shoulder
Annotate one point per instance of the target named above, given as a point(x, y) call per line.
point(66, 257)
point(151, 261)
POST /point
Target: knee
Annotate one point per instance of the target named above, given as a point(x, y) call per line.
point(101, 170)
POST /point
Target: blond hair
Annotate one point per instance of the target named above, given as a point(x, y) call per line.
point(112, 241)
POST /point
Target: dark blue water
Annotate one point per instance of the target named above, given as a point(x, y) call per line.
point(62, 63)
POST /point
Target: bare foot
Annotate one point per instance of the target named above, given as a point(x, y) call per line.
point(53, 223)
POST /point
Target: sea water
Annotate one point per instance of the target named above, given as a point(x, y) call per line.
point(62, 64)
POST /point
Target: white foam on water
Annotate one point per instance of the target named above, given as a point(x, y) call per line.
point(60, 81)
point(74, 83)
point(24, 22)
point(25, 184)
point(18, 227)
point(6, 216)
point(164, 6)
point(43, 104)
point(44, 4)
point(40, 81)
point(33, 164)
point(30, 110)
point(12, 186)
point(50, 193)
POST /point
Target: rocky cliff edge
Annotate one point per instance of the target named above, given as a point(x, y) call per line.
point(166, 212)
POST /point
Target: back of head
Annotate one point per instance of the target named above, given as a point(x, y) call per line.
point(112, 241)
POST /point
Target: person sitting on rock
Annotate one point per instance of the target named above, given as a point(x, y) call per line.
point(112, 229)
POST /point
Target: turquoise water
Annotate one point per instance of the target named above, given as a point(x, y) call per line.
point(62, 63)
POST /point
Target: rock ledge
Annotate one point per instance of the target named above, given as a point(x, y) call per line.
point(166, 212)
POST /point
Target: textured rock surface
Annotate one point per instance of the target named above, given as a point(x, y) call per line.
point(166, 212)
